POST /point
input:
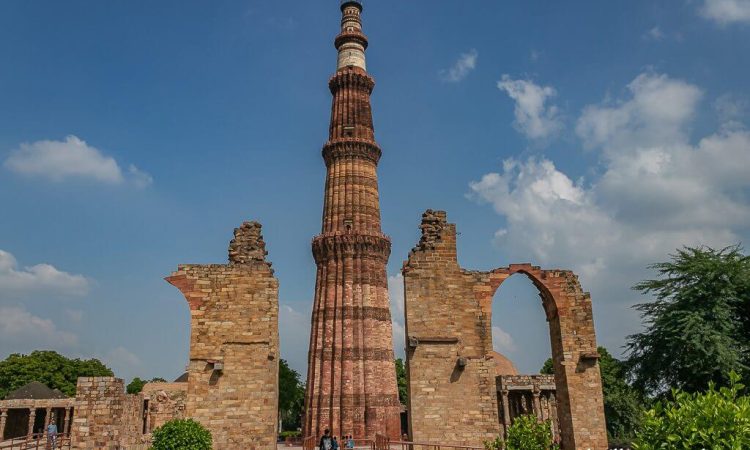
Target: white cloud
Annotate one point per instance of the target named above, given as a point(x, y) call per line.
point(658, 112)
point(657, 192)
point(654, 34)
point(71, 158)
point(502, 341)
point(21, 329)
point(534, 117)
point(38, 278)
point(726, 12)
point(461, 68)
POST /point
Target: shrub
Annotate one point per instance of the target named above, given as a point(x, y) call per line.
point(290, 434)
point(716, 419)
point(526, 433)
point(183, 434)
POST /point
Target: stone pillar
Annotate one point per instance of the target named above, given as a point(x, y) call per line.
point(32, 418)
point(506, 411)
point(537, 404)
point(47, 419)
point(66, 423)
point(3, 419)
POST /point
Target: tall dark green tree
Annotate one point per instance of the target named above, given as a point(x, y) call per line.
point(697, 328)
point(403, 391)
point(49, 368)
point(291, 396)
point(623, 404)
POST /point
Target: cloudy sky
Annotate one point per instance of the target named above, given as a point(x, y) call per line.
point(134, 136)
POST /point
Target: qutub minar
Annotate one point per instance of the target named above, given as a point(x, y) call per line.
point(351, 380)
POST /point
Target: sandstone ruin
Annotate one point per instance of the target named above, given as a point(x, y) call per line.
point(454, 395)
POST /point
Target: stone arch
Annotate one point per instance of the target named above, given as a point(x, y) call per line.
point(448, 317)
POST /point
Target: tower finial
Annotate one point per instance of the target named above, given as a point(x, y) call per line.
point(351, 42)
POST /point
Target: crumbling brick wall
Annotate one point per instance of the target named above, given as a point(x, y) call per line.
point(234, 344)
point(452, 389)
point(105, 416)
point(165, 401)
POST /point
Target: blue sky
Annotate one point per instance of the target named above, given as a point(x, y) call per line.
point(134, 136)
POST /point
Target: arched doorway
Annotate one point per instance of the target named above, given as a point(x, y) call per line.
point(521, 347)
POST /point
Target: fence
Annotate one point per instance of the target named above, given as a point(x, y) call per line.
point(36, 442)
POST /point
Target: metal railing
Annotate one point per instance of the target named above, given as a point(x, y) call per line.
point(382, 442)
point(36, 442)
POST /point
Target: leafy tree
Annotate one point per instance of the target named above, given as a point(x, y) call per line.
point(183, 434)
point(403, 391)
point(717, 419)
point(291, 396)
point(136, 386)
point(527, 433)
point(623, 404)
point(49, 368)
point(548, 368)
point(697, 328)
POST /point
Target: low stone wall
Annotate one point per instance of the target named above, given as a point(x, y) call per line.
point(105, 416)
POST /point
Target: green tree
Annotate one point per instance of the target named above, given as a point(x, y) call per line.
point(183, 434)
point(696, 329)
point(716, 419)
point(291, 396)
point(403, 391)
point(49, 368)
point(136, 386)
point(623, 404)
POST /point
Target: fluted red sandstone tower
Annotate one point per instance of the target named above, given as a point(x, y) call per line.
point(351, 381)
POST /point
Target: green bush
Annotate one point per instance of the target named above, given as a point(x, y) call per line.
point(181, 434)
point(716, 419)
point(290, 434)
point(526, 433)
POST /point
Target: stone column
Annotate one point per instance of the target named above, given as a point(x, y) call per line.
point(537, 404)
point(506, 411)
point(47, 419)
point(3, 419)
point(66, 428)
point(32, 418)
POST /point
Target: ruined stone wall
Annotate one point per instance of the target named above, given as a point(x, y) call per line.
point(452, 388)
point(447, 403)
point(234, 345)
point(166, 401)
point(105, 416)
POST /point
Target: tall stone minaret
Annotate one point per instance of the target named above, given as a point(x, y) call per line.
point(351, 380)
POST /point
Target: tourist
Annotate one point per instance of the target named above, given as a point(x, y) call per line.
point(335, 444)
point(350, 442)
point(52, 433)
point(326, 443)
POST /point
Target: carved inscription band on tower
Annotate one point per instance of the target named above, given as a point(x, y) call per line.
point(351, 381)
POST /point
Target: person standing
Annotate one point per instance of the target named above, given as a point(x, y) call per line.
point(350, 442)
point(52, 433)
point(335, 444)
point(326, 443)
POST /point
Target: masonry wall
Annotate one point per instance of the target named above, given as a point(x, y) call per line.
point(234, 350)
point(105, 416)
point(452, 389)
point(447, 404)
point(166, 401)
